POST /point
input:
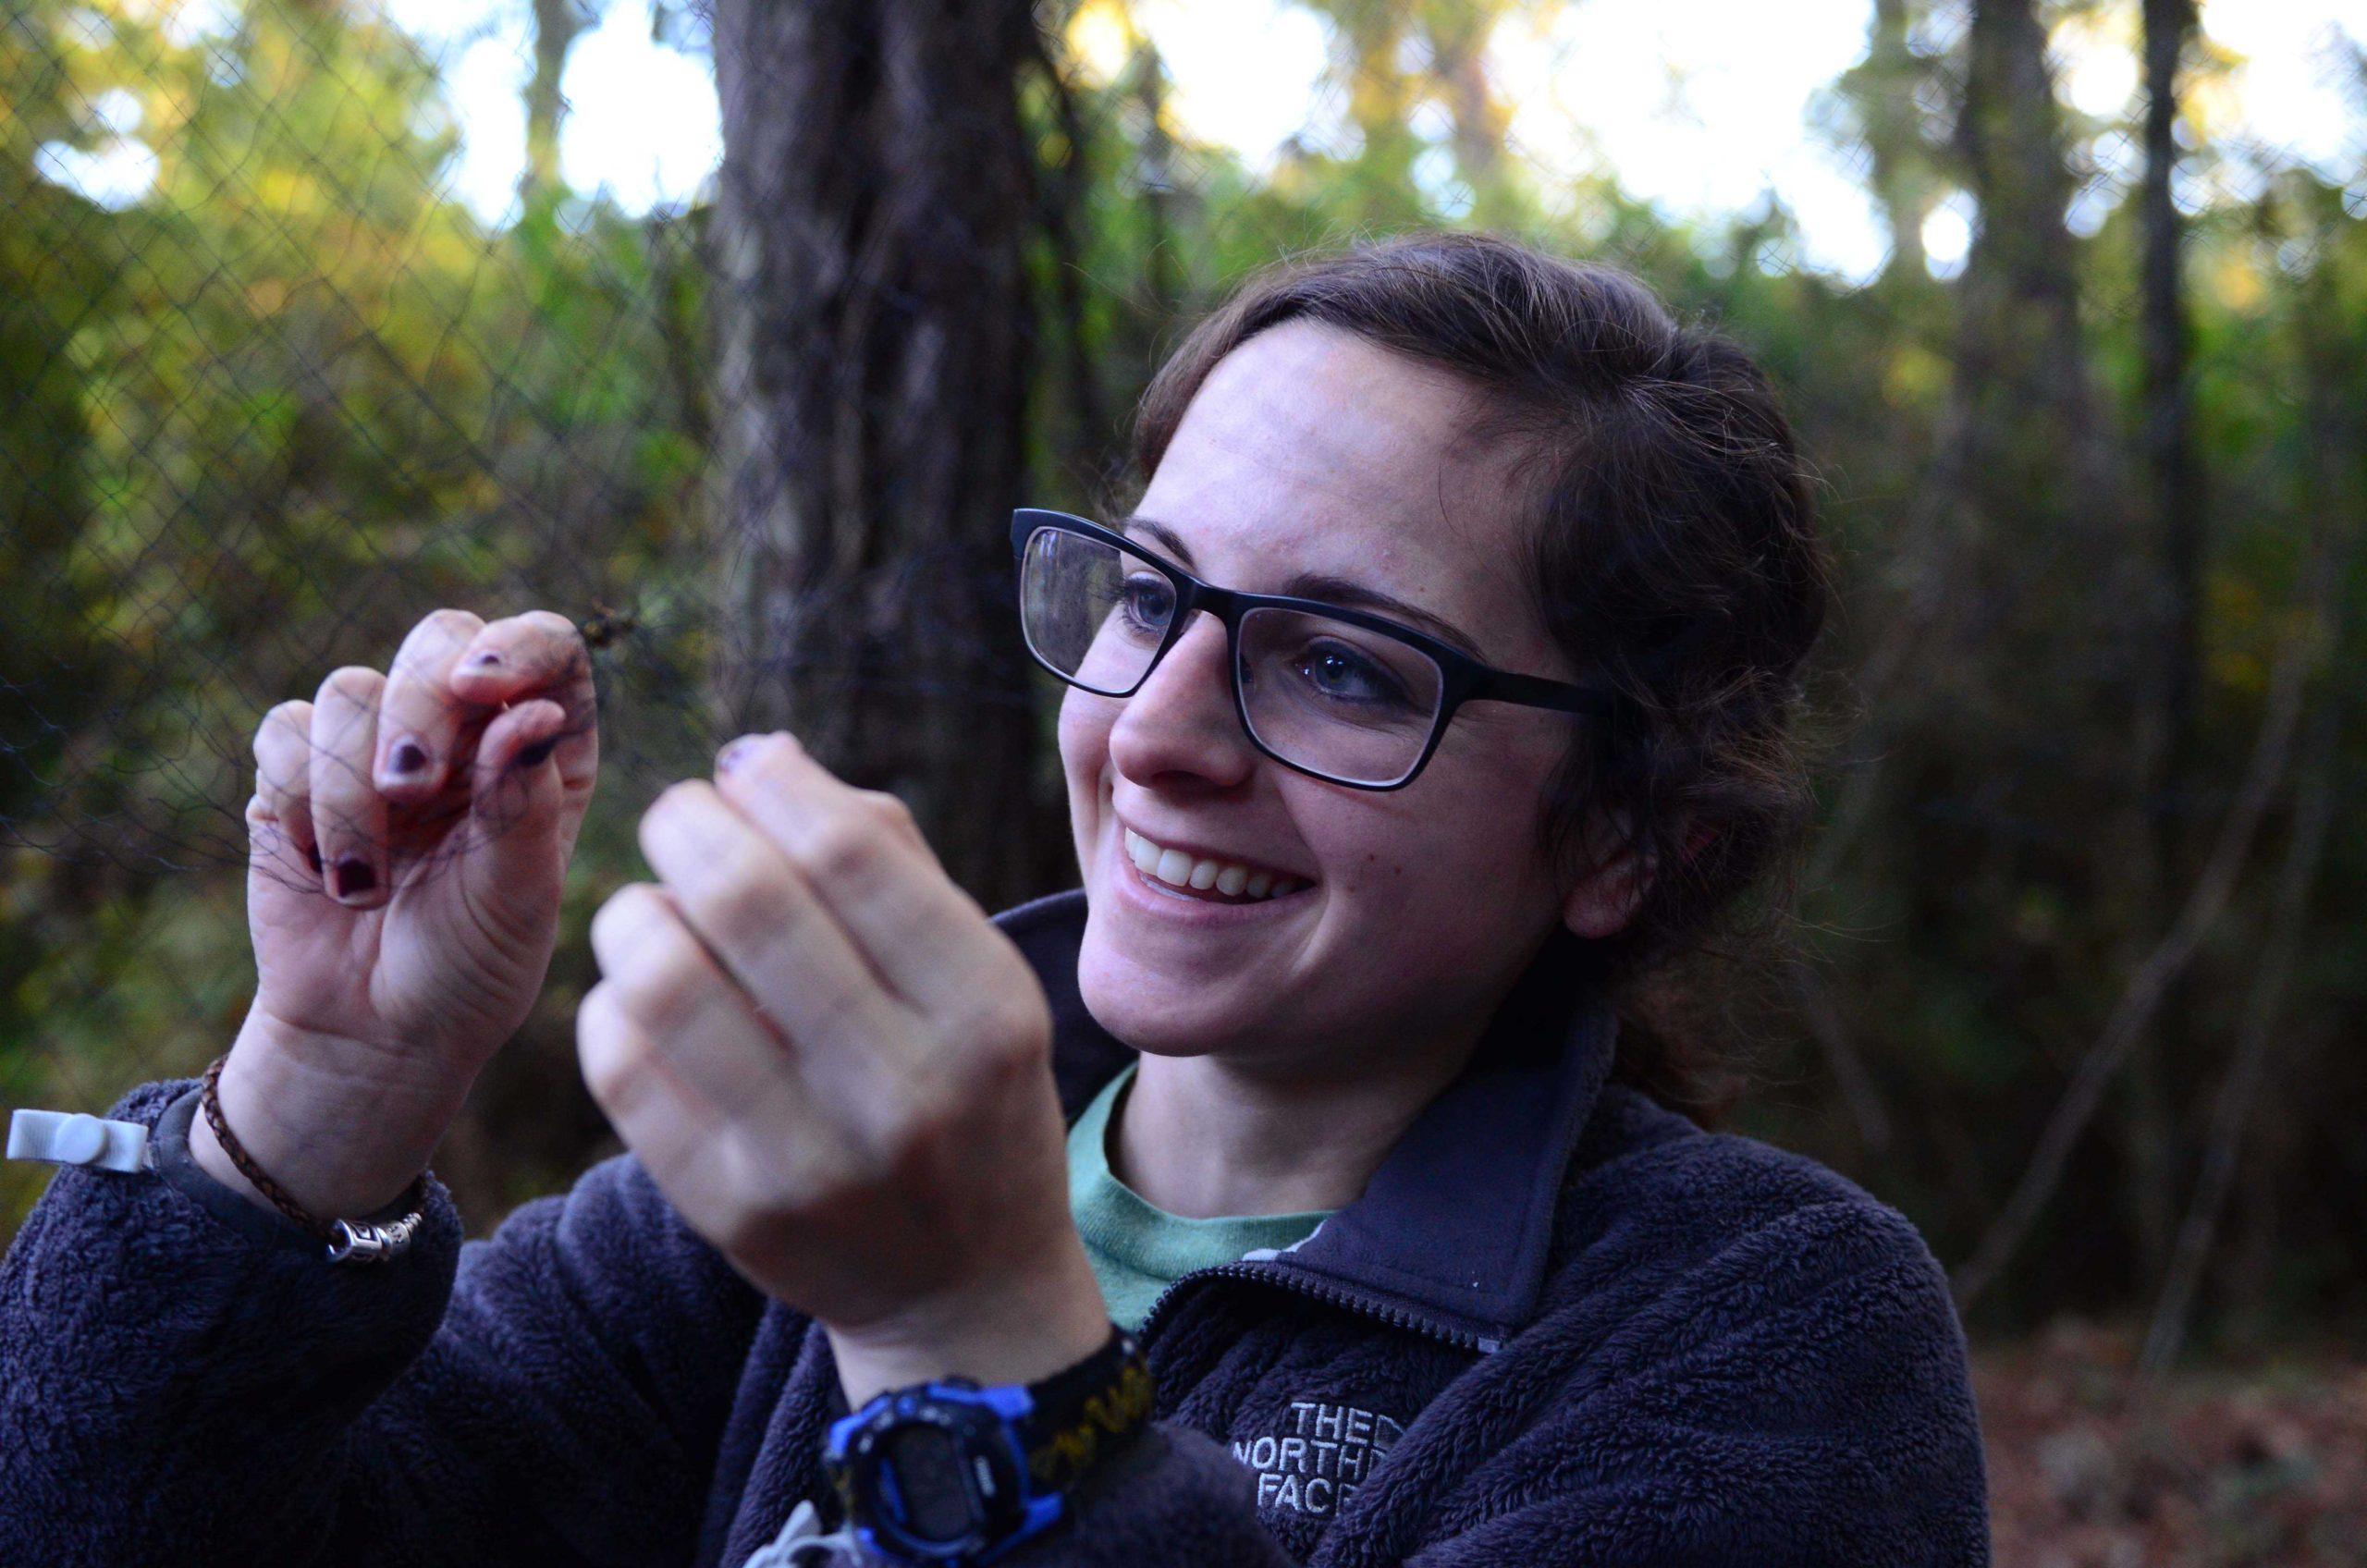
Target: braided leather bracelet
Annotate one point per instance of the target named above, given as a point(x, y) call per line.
point(348, 1241)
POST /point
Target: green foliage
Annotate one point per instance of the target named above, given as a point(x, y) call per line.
point(276, 409)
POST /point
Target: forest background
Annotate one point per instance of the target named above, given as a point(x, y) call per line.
point(2078, 977)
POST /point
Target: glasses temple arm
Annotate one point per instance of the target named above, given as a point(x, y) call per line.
point(1535, 692)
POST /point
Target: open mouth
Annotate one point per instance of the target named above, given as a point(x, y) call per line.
point(1211, 881)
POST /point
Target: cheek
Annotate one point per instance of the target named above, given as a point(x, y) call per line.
point(1460, 839)
point(1085, 736)
point(1085, 726)
point(1439, 871)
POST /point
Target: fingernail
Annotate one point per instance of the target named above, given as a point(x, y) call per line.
point(354, 877)
point(538, 754)
point(735, 753)
point(407, 758)
point(484, 660)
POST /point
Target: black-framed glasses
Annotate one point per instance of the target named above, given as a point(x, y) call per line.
point(1337, 693)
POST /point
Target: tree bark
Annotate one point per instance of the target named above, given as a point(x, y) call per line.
point(1883, 84)
point(557, 25)
point(2169, 449)
point(874, 366)
point(2024, 484)
point(1158, 184)
point(2161, 743)
point(2021, 354)
point(2044, 501)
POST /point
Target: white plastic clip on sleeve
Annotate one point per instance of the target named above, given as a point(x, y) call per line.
point(64, 1137)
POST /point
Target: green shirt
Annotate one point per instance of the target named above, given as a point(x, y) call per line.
point(1138, 1250)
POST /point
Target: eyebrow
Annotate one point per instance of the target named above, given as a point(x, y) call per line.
point(1323, 585)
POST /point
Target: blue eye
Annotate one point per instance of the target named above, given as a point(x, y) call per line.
point(1336, 671)
point(1147, 602)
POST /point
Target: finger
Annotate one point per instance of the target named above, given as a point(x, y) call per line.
point(660, 1118)
point(419, 716)
point(514, 864)
point(865, 859)
point(725, 1183)
point(695, 1016)
point(349, 814)
point(539, 653)
point(514, 790)
point(280, 814)
point(767, 930)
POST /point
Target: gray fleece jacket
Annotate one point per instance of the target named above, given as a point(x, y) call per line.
point(1560, 1325)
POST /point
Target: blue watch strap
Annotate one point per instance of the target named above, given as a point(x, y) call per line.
point(1045, 1436)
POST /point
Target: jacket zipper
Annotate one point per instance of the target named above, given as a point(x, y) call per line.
point(1286, 1280)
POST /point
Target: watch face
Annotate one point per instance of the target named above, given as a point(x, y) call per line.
point(929, 1482)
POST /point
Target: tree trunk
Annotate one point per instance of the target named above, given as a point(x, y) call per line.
point(2024, 459)
point(2043, 502)
point(2022, 353)
point(875, 356)
point(2169, 450)
point(2027, 460)
point(557, 24)
point(1458, 44)
point(1899, 172)
point(1159, 186)
point(2162, 743)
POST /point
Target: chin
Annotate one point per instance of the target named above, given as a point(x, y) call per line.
point(1145, 1009)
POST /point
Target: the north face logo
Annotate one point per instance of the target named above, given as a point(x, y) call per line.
point(1324, 1452)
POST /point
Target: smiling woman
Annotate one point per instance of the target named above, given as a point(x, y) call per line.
point(1436, 689)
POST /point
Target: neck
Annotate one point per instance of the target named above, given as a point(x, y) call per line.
point(1206, 1136)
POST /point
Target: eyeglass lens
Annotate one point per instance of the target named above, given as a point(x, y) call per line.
point(1337, 699)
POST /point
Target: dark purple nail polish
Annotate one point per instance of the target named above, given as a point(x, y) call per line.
point(484, 660)
point(734, 755)
point(407, 758)
point(538, 754)
point(354, 877)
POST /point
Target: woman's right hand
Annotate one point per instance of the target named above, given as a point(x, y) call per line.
point(403, 916)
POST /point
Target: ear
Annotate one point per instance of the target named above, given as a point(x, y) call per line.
point(1607, 894)
point(1605, 899)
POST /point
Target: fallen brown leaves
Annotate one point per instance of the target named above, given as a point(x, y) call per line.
point(2264, 1467)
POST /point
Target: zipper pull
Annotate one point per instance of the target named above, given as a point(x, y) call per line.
point(802, 1544)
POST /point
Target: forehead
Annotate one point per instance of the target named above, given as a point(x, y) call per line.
point(1308, 448)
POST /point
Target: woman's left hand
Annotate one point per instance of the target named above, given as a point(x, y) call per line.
point(838, 1070)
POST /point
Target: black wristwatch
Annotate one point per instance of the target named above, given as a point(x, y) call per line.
point(952, 1474)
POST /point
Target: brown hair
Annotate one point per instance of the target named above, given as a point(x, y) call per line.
point(1674, 557)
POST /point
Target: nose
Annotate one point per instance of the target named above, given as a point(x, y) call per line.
point(1180, 720)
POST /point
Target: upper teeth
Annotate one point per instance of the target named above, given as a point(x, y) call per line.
point(1228, 878)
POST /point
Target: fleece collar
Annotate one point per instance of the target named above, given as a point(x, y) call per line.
point(1452, 1229)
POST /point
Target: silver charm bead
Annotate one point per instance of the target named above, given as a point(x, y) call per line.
point(355, 1242)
